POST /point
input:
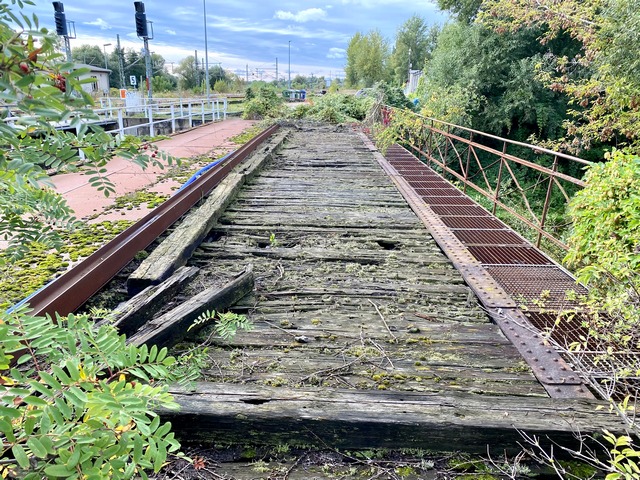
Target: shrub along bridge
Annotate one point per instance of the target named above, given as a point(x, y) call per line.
point(386, 303)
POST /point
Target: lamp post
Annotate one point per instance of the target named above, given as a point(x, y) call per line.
point(206, 51)
point(104, 49)
point(289, 64)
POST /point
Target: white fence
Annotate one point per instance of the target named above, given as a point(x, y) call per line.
point(165, 111)
point(168, 112)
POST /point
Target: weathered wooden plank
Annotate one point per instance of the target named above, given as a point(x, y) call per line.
point(173, 325)
point(355, 419)
point(131, 315)
point(323, 255)
point(175, 250)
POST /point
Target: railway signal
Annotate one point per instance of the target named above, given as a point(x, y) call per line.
point(62, 27)
point(142, 31)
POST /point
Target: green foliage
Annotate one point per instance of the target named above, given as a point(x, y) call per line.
point(335, 108)
point(367, 59)
point(263, 102)
point(163, 83)
point(79, 402)
point(487, 81)
point(413, 45)
point(600, 77)
point(464, 10)
point(605, 238)
point(221, 86)
point(227, 324)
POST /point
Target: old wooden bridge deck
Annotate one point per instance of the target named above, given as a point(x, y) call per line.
point(365, 335)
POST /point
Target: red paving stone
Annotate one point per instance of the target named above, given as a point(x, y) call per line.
point(127, 177)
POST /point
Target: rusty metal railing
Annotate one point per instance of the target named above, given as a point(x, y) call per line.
point(523, 180)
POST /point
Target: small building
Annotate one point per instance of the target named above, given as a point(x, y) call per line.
point(295, 95)
point(98, 74)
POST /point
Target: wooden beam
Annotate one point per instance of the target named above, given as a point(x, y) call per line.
point(365, 419)
point(132, 314)
point(173, 325)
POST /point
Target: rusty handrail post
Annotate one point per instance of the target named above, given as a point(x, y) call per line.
point(446, 152)
point(430, 145)
point(545, 208)
point(496, 194)
point(466, 168)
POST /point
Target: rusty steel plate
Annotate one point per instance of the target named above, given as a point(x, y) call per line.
point(488, 237)
point(502, 255)
point(460, 210)
point(537, 286)
point(553, 372)
point(472, 222)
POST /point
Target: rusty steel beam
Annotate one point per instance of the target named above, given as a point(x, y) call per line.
point(71, 290)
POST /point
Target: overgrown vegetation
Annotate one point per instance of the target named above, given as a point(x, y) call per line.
point(41, 264)
point(334, 108)
point(79, 402)
point(263, 102)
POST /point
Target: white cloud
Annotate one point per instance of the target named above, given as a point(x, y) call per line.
point(336, 53)
point(302, 16)
point(171, 32)
point(98, 22)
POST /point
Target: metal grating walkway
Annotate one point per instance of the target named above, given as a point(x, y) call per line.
point(504, 270)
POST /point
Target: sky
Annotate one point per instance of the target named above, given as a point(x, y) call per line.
point(243, 33)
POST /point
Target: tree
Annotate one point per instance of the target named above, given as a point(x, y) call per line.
point(367, 59)
point(488, 81)
point(88, 54)
point(601, 77)
point(464, 10)
point(188, 75)
point(414, 43)
point(134, 64)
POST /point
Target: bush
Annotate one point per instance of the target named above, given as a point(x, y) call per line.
point(605, 240)
point(263, 102)
point(335, 108)
point(79, 402)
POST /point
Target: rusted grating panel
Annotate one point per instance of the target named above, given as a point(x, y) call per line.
point(441, 192)
point(568, 330)
point(471, 222)
point(501, 255)
point(401, 164)
point(488, 237)
point(429, 183)
point(537, 286)
point(460, 210)
point(419, 178)
point(435, 200)
point(413, 171)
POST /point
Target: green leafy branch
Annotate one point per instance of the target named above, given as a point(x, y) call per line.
point(79, 402)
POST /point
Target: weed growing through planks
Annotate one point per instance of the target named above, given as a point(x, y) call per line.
point(273, 242)
point(227, 324)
